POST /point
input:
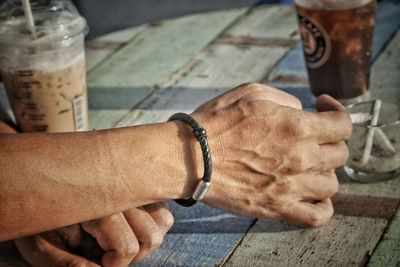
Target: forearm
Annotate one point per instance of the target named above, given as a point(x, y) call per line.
point(53, 180)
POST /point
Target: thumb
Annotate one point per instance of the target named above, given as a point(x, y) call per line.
point(328, 103)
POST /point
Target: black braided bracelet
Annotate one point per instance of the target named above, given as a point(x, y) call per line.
point(201, 136)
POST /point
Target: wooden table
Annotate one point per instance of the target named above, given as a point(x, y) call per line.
point(144, 74)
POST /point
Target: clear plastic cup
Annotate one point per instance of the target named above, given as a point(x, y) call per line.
point(45, 78)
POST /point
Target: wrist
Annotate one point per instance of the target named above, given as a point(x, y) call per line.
point(187, 158)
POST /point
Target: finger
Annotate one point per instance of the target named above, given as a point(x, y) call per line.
point(330, 126)
point(333, 123)
point(161, 215)
point(115, 237)
point(328, 103)
point(317, 186)
point(148, 233)
point(37, 251)
point(5, 128)
point(333, 156)
point(308, 214)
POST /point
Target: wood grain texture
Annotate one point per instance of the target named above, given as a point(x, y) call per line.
point(201, 236)
point(219, 68)
point(388, 251)
point(156, 53)
point(345, 241)
point(365, 206)
point(385, 78)
point(265, 22)
point(105, 118)
point(100, 48)
point(156, 57)
point(389, 189)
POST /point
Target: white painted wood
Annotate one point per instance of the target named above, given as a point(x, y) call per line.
point(385, 76)
point(158, 51)
point(100, 48)
point(218, 69)
point(277, 21)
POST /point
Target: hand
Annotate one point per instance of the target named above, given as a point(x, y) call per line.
point(270, 158)
point(121, 239)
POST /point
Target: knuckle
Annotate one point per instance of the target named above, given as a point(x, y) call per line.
point(154, 240)
point(295, 102)
point(347, 125)
point(304, 126)
point(318, 219)
point(130, 249)
point(247, 106)
point(334, 185)
point(39, 244)
point(167, 221)
point(346, 152)
point(297, 126)
point(250, 85)
point(315, 221)
point(295, 165)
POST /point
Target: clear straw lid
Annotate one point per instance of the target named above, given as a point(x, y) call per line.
point(54, 20)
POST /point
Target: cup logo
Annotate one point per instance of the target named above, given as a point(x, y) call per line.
point(316, 42)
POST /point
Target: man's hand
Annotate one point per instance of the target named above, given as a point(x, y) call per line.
point(270, 158)
point(121, 239)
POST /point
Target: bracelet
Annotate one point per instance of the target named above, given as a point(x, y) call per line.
point(201, 136)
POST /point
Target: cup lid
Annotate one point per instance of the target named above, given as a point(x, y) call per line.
point(54, 20)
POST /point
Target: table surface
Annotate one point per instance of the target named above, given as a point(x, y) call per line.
point(144, 74)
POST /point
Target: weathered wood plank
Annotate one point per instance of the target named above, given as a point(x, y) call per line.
point(99, 48)
point(389, 189)
point(267, 22)
point(201, 236)
point(388, 251)
point(345, 241)
point(385, 77)
point(105, 118)
point(292, 68)
point(218, 69)
point(156, 57)
point(160, 50)
point(365, 206)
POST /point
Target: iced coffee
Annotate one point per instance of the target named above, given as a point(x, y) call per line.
point(337, 40)
point(45, 77)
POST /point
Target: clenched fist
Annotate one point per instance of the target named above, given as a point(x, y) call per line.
point(271, 159)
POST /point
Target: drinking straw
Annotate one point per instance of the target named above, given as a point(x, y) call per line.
point(29, 17)
point(371, 131)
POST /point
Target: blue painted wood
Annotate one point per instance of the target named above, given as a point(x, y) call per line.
point(201, 236)
point(292, 70)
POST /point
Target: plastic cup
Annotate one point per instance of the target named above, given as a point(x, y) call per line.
point(45, 78)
